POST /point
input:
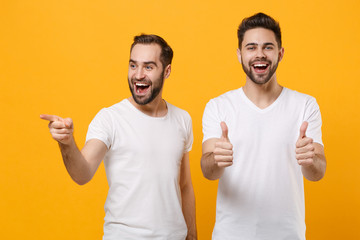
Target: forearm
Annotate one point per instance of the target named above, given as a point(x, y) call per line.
point(80, 165)
point(316, 171)
point(188, 208)
point(75, 163)
point(209, 168)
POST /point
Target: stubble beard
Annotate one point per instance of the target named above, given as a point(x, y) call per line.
point(260, 79)
point(156, 87)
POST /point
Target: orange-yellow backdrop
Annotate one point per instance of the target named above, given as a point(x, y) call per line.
point(70, 58)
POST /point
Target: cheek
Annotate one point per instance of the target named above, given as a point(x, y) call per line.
point(132, 74)
point(246, 58)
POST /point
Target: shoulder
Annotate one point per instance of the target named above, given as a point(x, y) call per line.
point(177, 111)
point(180, 116)
point(300, 102)
point(296, 94)
point(293, 95)
point(225, 99)
point(120, 106)
point(228, 96)
point(109, 112)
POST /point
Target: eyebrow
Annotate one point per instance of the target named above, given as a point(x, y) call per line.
point(256, 44)
point(146, 63)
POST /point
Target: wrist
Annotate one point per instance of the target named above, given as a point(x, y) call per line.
point(67, 143)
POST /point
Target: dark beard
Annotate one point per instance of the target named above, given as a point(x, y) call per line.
point(263, 79)
point(155, 90)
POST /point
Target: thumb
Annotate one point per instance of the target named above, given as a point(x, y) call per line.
point(303, 128)
point(68, 122)
point(225, 130)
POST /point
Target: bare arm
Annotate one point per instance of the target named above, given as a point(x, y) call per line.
point(81, 165)
point(310, 156)
point(217, 154)
point(188, 198)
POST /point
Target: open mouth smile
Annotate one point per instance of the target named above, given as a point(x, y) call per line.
point(260, 67)
point(141, 88)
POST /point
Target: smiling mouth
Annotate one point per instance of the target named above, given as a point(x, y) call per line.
point(141, 88)
point(260, 67)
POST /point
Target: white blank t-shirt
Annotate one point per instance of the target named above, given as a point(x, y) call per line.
point(142, 168)
point(261, 195)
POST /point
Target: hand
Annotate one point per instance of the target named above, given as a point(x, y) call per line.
point(223, 153)
point(60, 129)
point(305, 150)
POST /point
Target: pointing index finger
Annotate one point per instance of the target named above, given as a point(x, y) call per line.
point(51, 118)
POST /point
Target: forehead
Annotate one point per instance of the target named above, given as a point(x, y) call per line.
point(259, 36)
point(145, 53)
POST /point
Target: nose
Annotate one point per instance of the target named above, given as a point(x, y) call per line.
point(139, 74)
point(260, 53)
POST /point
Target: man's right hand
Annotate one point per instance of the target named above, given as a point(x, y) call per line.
point(223, 153)
point(61, 129)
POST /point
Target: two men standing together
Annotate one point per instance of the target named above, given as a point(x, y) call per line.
point(259, 140)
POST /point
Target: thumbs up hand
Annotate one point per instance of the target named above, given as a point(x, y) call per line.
point(60, 129)
point(223, 153)
point(305, 150)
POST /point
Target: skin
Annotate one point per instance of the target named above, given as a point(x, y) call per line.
point(310, 156)
point(144, 65)
point(259, 46)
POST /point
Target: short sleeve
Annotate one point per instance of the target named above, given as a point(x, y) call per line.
point(101, 128)
point(313, 117)
point(189, 135)
point(211, 121)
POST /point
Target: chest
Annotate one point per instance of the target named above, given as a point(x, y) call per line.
point(274, 129)
point(153, 148)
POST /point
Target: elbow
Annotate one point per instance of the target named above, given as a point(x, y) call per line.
point(186, 187)
point(81, 177)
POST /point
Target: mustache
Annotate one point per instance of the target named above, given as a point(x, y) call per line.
point(146, 81)
point(260, 60)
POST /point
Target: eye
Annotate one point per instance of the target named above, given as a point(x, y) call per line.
point(250, 48)
point(269, 47)
point(149, 67)
point(132, 65)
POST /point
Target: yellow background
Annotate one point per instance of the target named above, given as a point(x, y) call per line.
point(70, 58)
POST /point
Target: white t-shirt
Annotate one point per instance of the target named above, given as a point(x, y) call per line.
point(261, 196)
point(142, 168)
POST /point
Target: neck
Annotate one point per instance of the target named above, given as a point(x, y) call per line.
point(156, 108)
point(262, 95)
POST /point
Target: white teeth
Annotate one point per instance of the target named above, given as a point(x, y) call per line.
point(141, 84)
point(259, 65)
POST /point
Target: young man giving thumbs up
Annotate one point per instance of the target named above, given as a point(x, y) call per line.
point(260, 140)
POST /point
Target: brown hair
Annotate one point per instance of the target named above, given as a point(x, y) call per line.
point(259, 20)
point(166, 51)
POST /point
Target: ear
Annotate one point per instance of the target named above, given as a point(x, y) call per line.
point(238, 53)
point(167, 71)
point(281, 54)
